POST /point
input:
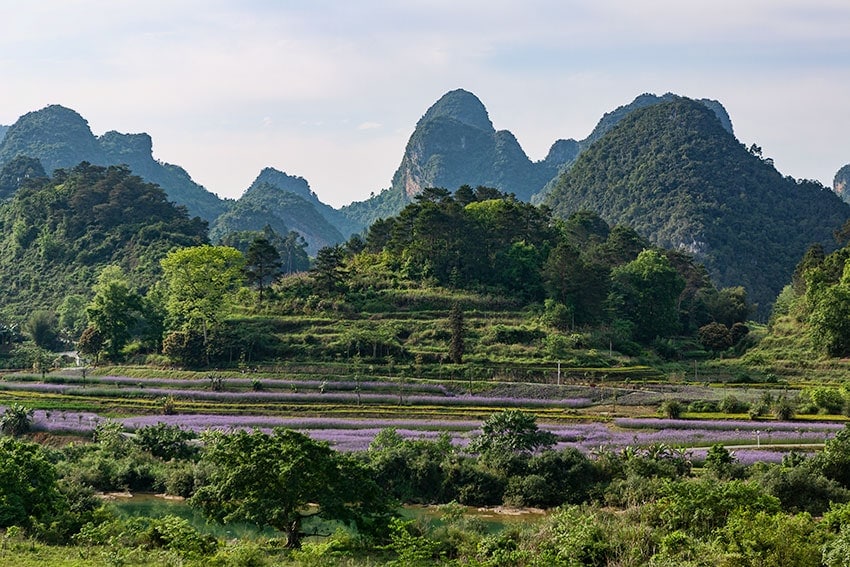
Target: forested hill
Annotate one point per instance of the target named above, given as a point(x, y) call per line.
point(3, 130)
point(283, 203)
point(57, 233)
point(675, 174)
point(60, 138)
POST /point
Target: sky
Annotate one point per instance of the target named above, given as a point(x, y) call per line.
point(332, 90)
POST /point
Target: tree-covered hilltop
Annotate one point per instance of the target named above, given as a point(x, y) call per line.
point(264, 205)
point(586, 273)
point(60, 138)
point(59, 232)
point(679, 178)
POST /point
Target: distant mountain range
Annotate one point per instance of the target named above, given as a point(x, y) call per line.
point(713, 202)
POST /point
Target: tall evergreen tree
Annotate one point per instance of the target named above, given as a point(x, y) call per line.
point(458, 329)
point(262, 264)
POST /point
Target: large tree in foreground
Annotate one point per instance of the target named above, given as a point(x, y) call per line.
point(283, 479)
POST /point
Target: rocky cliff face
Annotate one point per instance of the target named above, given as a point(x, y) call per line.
point(841, 183)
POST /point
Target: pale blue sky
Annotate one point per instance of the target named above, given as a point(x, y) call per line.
point(331, 90)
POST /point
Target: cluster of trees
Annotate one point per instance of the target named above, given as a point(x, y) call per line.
point(586, 272)
point(643, 504)
point(152, 284)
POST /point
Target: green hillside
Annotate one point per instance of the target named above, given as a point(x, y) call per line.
point(58, 233)
point(677, 176)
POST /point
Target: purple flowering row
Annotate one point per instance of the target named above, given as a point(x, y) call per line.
point(299, 397)
point(720, 424)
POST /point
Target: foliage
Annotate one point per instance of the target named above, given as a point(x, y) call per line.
point(262, 264)
point(646, 291)
point(715, 336)
point(41, 327)
point(114, 310)
point(725, 204)
point(28, 486)
point(166, 442)
point(457, 330)
point(86, 217)
point(199, 282)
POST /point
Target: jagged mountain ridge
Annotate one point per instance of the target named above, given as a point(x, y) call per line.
point(455, 144)
point(675, 174)
point(60, 138)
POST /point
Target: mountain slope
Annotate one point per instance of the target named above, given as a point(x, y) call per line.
point(300, 187)
point(674, 173)
point(60, 138)
point(283, 208)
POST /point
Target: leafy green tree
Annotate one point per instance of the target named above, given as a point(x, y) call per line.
point(262, 264)
point(17, 172)
point(114, 310)
point(457, 329)
point(41, 328)
point(279, 480)
point(511, 431)
point(715, 336)
point(200, 281)
point(764, 538)
point(830, 319)
point(719, 460)
point(329, 271)
point(72, 315)
point(646, 292)
point(166, 441)
point(91, 343)
point(699, 506)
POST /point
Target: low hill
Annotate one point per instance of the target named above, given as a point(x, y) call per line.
point(680, 178)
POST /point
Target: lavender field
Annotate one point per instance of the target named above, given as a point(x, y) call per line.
point(349, 413)
point(757, 440)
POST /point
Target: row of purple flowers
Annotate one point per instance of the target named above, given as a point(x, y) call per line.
point(401, 396)
point(356, 435)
